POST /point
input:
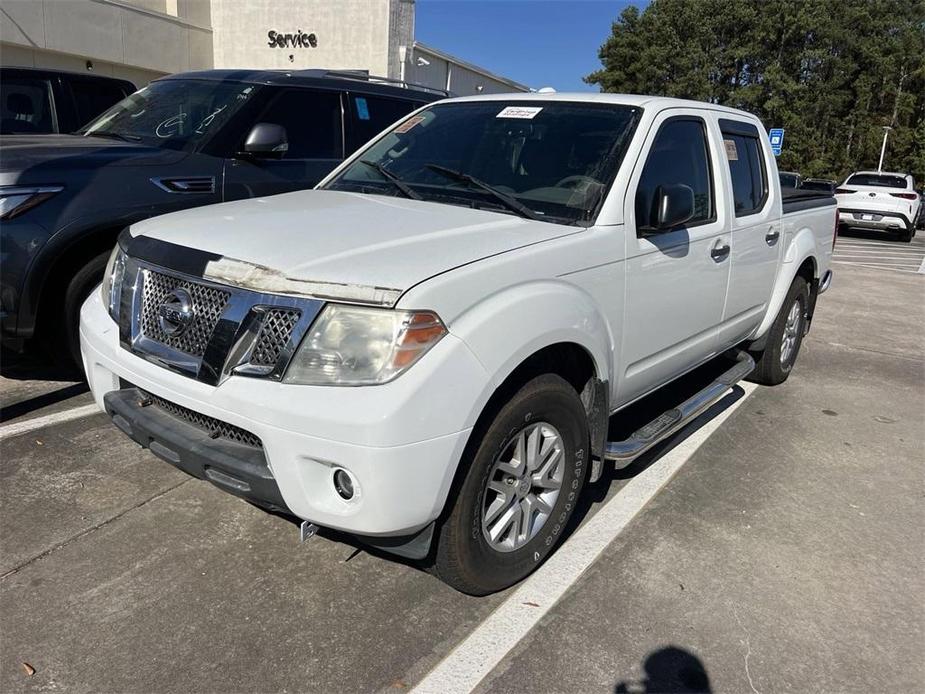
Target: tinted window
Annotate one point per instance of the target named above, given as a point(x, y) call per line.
point(877, 180)
point(789, 180)
point(746, 166)
point(312, 121)
point(25, 106)
point(555, 158)
point(678, 155)
point(372, 114)
point(825, 186)
point(92, 97)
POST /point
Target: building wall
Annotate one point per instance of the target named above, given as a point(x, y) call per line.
point(434, 68)
point(350, 34)
point(135, 39)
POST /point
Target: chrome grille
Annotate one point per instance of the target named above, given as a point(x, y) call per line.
point(216, 428)
point(274, 335)
point(208, 305)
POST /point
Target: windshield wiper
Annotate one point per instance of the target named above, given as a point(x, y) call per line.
point(509, 202)
point(406, 190)
point(114, 136)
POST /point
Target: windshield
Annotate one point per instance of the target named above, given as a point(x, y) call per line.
point(549, 160)
point(178, 114)
point(877, 180)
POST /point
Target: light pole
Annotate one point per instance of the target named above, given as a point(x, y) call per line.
point(886, 132)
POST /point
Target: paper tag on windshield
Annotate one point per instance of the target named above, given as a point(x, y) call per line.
point(527, 112)
point(732, 154)
point(408, 124)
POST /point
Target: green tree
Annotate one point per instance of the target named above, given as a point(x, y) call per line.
point(832, 72)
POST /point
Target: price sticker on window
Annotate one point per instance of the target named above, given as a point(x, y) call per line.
point(732, 154)
point(525, 112)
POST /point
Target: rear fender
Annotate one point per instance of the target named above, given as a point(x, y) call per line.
point(802, 246)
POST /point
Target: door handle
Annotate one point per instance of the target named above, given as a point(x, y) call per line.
point(772, 236)
point(719, 251)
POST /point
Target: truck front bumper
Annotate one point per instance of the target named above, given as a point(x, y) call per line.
point(401, 441)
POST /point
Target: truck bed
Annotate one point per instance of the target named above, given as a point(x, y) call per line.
point(796, 199)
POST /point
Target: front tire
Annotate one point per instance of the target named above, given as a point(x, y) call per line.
point(521, 486)
point(60, 337)
point(775, 362)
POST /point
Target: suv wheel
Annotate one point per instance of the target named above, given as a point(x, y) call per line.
point(60, 336)
point(520, 490)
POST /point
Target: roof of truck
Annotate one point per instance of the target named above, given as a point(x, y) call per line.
point(600, 98)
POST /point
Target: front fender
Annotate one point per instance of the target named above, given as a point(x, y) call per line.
point(506, 328)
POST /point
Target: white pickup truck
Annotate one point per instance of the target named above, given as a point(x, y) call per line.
point(425, 351)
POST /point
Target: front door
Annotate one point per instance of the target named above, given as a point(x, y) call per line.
point(675, 279)
point(314, 125)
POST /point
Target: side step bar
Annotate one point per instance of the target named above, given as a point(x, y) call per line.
point(667, 423)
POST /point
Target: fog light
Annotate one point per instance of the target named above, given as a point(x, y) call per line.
point(343, 484)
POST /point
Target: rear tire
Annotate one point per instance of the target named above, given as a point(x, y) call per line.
point(60, 336)
point(907, 236)
point(475, 554)
point(775, 362)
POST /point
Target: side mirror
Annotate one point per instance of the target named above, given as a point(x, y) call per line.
point(672, 205)
point(266, 141)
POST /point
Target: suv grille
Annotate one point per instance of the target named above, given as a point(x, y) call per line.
point(208, 305)
point(215, 427)
point(278, 325)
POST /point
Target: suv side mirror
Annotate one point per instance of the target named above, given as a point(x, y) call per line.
point(266, 141)
point(673, 205)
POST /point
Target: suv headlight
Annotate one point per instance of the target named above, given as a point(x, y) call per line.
point(15, 200)
point(112, 282)
point(355, 345)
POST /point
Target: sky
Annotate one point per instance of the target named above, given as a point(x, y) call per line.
point(540, 43)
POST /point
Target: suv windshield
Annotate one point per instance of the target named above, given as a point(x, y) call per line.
point(881, 180)
point(178, 114)
point(548, 160)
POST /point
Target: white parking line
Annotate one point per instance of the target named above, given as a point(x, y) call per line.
point(17, 428)
point(875, 266)
point(922, 266)
point(493, 639)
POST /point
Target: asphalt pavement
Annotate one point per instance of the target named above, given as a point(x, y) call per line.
point(784, 552)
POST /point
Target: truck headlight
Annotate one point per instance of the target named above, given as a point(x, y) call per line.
point(112, 282)
point(15, 200)
point(355, 345)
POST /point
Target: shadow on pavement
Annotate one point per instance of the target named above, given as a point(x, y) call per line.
point(669, 670)
point(33, 367)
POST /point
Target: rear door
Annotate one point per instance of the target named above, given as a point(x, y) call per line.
point(314, 125)
point(755, 227)
point(675, 279)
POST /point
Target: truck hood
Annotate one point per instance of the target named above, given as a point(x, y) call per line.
point(351, 246)
point(41, 156)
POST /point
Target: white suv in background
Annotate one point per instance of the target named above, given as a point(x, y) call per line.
point(879, 200)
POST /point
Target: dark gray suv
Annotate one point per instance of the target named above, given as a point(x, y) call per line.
point(183, 141)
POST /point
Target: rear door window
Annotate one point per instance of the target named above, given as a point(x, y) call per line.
point(313, 123)
point(26, 106)
point(92, 97)
point(678, 155)
point(746, 167)
point(370, 115)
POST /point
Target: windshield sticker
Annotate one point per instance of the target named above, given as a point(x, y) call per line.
point(526, 112)
point(732, 154)
point(408, 124)
point(362, 108)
